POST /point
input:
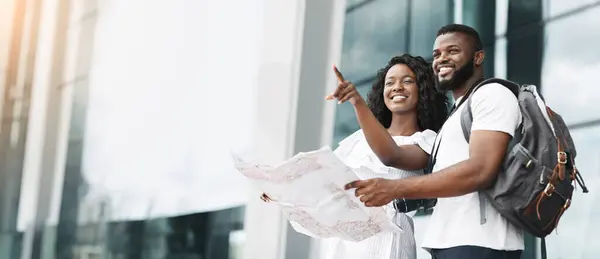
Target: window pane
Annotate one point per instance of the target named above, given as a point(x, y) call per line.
point(524, 52)
point(571, 65)
point(557, 7)
point(427, 17)
point(523, 13)
point(481, 16)
point(373, 34)
point(350, 3)
point(578, 230)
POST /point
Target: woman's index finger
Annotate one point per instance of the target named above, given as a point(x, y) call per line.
point(338, 74)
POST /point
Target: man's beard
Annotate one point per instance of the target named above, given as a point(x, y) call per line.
point(461, 75)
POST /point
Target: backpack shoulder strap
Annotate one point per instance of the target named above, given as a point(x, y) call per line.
point(466, 117)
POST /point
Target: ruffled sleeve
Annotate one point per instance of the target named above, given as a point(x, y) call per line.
point(425, 140)
point(347, 144)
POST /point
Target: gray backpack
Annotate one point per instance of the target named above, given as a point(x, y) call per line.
point(536, 182)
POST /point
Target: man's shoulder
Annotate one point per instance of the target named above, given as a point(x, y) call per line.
point(495, 91)
point(496, 108)
point(493, 95)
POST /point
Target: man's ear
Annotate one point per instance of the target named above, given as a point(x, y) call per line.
point(478, 57)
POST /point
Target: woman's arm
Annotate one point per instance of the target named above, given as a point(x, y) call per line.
point(405, 157)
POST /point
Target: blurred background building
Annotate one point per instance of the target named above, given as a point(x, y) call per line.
point(118, 117)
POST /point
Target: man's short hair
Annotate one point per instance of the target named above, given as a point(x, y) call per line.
point(464, 29)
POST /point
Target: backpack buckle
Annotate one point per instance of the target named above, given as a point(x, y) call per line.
point(561, 157)
point(549, 189)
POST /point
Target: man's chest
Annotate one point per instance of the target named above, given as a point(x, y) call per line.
point(450, 144)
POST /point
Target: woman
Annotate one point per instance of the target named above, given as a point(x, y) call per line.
point(398, 128)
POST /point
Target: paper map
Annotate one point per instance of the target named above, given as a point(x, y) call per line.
point(309, 188)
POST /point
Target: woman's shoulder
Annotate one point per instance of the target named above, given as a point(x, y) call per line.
point(426, 134)
point(352, 139)
point(347, 144)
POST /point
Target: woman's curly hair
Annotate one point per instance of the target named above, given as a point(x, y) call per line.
point(432, 106)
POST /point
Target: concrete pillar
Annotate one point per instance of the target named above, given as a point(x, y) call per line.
point(301, 41)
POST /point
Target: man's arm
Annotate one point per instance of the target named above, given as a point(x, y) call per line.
point(405, 157)
point(486, 151)
point(496, 115)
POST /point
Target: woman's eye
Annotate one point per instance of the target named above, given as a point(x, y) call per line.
point(408, 82)
point(388, 83)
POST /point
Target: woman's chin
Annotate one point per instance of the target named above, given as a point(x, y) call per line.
point(401, 109)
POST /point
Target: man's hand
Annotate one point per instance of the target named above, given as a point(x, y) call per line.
point(374, 192)
point(346, 91)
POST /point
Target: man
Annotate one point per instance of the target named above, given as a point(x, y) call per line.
point(461, 168)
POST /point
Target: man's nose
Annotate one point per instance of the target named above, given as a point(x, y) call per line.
point(443, 58)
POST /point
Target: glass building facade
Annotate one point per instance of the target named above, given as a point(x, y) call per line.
point(49, 204)
point(548, 43)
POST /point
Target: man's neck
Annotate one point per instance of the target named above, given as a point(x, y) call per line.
point(462, 90)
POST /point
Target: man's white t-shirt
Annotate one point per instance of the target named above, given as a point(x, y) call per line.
point(456, 221)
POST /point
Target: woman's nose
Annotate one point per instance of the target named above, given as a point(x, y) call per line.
point(397, 87)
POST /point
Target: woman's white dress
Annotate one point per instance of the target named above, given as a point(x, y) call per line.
point(355, 152)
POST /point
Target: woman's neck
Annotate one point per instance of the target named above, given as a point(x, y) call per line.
point(403, 124)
